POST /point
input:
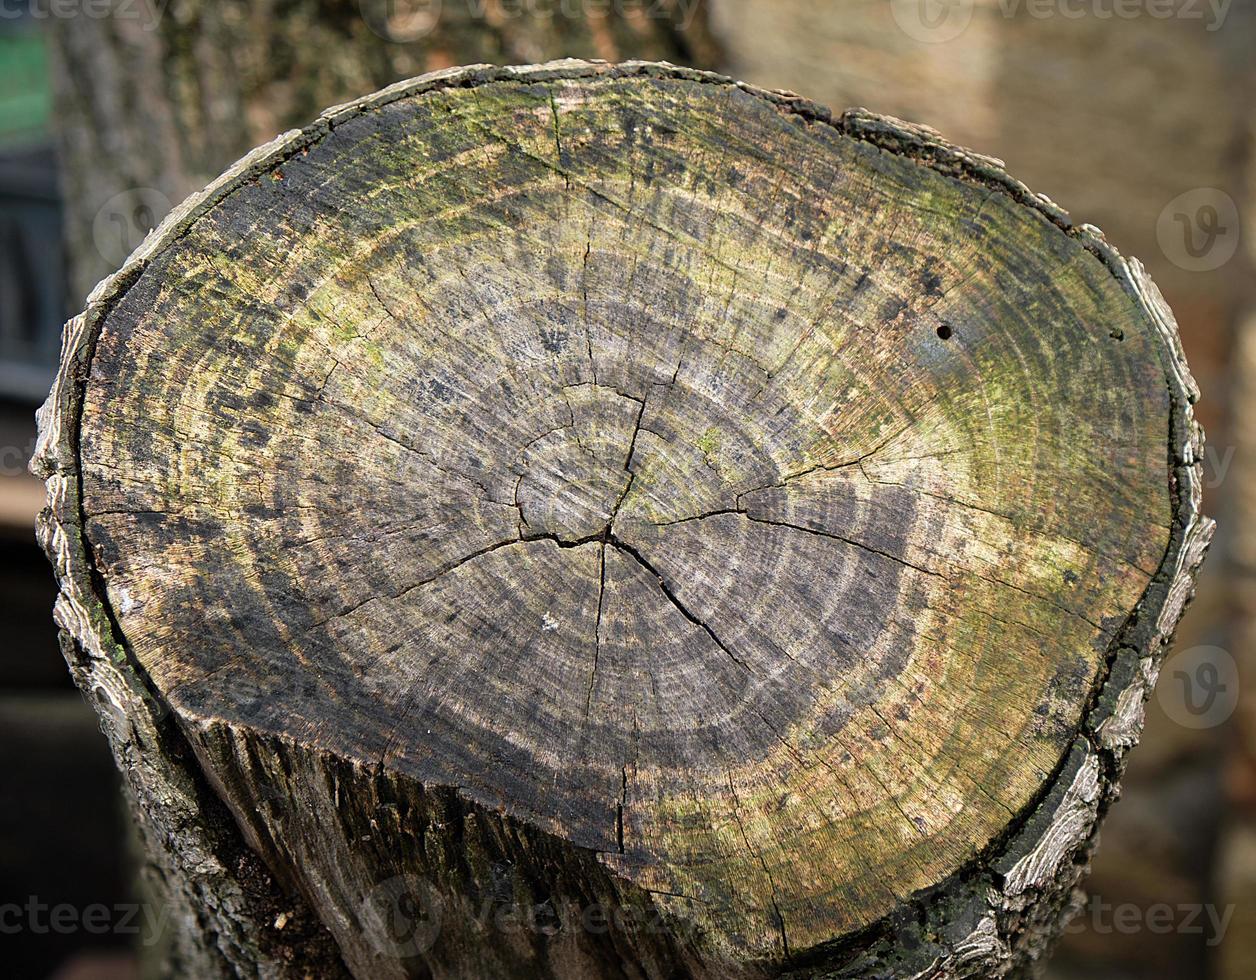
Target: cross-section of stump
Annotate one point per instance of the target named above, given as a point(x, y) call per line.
point(729, 538)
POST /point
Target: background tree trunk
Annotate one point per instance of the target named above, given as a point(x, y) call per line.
point(898, 773)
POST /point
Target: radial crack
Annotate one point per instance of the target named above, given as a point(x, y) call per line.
point(597, 640)
point(733, 512)
point(675, 601)
point(619, 807)
point(632, 449)
point(444, 569)
point(780, 919)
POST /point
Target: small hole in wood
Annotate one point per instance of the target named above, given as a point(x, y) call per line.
point(944, 332)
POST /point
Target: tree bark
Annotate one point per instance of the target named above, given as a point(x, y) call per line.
point(157, 97)
point(715, 537)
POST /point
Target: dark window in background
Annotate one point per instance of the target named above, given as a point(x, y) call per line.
point(32, 279)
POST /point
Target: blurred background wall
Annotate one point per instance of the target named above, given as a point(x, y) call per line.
point(1138, 116)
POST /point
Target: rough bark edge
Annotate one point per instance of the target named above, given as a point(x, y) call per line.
point(998, 916)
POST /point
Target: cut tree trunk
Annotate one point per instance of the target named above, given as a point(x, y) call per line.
point(590, 520)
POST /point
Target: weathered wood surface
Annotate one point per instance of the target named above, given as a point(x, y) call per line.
point(616, 486)
point(157, 99)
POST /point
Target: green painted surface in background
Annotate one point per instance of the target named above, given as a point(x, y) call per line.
point(25, 92)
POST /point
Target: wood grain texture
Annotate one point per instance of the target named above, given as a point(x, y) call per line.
point(165, 96)
point(620, 486)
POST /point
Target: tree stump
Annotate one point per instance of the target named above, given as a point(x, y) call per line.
point(589, 520)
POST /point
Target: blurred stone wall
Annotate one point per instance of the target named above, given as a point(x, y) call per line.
point(1235, 869)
